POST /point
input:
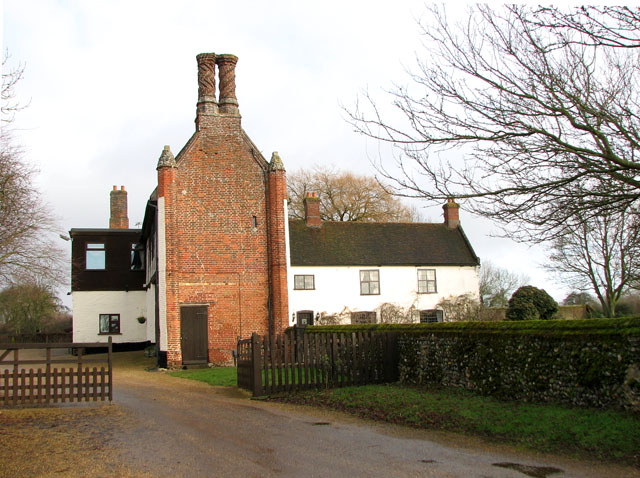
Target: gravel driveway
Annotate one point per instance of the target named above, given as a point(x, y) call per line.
point(183, 428)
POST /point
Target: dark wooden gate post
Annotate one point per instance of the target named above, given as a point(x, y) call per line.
point(391, 357)
point(110, 365)
point(256, 365)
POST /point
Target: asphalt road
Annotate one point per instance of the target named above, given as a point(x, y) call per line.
point(181, 428)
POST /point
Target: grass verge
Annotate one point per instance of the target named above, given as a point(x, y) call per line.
point(591, 433)
point(216, 376)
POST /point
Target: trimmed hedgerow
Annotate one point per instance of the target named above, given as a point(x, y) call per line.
point(590, 362)
point(619, 326)
point(594, 370)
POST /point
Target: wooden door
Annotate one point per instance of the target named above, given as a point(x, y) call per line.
point(193, 327)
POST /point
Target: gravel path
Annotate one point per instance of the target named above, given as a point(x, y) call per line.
point(181, 428)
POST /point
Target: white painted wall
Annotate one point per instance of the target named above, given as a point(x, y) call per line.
point(337, 288)
point(162, 275)
point(150, 297)
point(87, 306)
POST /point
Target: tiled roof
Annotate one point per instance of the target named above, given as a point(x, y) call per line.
point(370, 243)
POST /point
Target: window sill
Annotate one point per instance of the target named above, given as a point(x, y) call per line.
point(371, 294)
point(109, 333)
point(303, 289)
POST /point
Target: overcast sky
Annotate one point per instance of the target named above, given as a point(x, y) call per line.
point(109, 83)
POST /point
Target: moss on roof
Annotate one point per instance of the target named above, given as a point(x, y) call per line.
point(374, 243)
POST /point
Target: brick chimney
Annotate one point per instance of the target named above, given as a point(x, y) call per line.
point(207, 104)
point(451, 214)
point(118, 219)
point(227, 73)
point(312, 210)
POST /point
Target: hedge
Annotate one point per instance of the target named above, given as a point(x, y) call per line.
point(590, 362)
point(620, 326)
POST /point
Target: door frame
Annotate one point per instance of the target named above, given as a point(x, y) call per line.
point(202, 345)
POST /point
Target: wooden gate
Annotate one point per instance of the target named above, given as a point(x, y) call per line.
point(193, 331)
point(48, 384)
point(298, 361)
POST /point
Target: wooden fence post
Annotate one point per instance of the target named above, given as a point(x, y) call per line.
point(110, 364)
point(256, 365)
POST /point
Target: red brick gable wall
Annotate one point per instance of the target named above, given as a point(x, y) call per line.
point(214, 254)
point(224, 226)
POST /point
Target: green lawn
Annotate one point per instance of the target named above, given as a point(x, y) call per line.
point(594, 433)
point(217, 376)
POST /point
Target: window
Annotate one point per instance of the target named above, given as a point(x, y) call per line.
point(363, 317)
point(427, 281)
point(137, 257)
point(109, 323)
point(430, 316)
point(304, 282)
point(369, 282)
point(95, 258)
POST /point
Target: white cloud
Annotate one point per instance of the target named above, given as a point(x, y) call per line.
point(110, 83)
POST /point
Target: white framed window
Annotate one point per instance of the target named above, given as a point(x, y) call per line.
point(95, 256)
point(370, 282)
point(304, 282)
point(427, 281)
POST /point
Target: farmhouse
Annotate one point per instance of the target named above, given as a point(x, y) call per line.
point(358, 272)
point(216, 258)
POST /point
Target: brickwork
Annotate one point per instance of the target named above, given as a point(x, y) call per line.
point(451, 213)
point(218, 201)
point(118, 203)
point(312, 210)
point(277, 244)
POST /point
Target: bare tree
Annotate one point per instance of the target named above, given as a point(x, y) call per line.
point(497, 284)
point(27, 226)
point(600, 255)
point(10, 78)
point(345, 196)
point(540, 105)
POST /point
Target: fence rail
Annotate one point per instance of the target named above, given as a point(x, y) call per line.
point(54, 338)
point(48, 384)
point(298, 361)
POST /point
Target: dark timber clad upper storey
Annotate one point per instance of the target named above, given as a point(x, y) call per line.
point(117, 274)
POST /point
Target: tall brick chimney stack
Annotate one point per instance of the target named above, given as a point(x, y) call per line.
point(118, 219)
point(451, 213)
point(227, 75)
point(207, 105)
point(312, 210)
point(277, 240)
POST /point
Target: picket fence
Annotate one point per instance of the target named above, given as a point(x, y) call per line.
point(48, 384)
